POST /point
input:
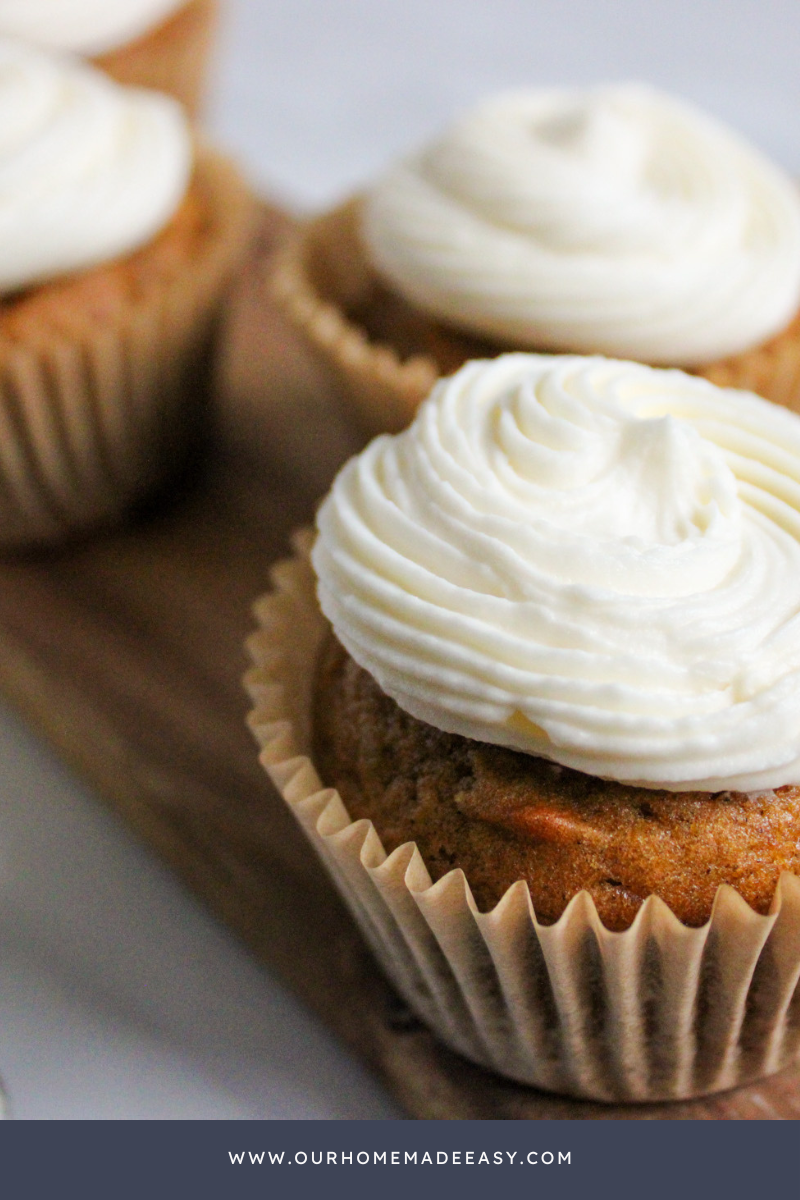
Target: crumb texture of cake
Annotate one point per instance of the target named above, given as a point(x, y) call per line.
point(502, 816)
point(104, 293)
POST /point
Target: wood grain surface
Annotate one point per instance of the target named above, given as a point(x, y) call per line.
point(126, 652)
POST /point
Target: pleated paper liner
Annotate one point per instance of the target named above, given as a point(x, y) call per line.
point(657, 1012)
point(320, 278)
point(93, 418)
point(174, 57)
point(385, 356)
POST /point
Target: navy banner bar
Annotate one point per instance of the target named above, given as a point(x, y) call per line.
point(636, 1159)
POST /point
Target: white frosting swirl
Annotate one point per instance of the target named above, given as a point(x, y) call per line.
point(584, 559)
point(616, 221)
point(83, 26)
point(89, 170)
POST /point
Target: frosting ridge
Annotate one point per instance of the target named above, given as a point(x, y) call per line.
point(89, 170)
point(584, 559)
point(616, 220)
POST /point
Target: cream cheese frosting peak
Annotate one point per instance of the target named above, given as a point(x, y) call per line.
point(83, 26)
point(615, 220)
point(585, 559)
point(89, 170)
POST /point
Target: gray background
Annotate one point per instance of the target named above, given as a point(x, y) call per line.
point(119, 996)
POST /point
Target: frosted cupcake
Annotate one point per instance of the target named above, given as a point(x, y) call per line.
point(116, 242)
point(161, 44)
point(616, 220)
point(558, 706)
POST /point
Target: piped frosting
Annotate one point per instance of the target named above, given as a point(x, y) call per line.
point(584, 559)
point(616, 220)
point(89, 170)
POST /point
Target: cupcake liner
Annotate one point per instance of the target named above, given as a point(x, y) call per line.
point(321, 274)
point(91, 419)
point(322, 277)
point(659, 1011)
point(173, 57)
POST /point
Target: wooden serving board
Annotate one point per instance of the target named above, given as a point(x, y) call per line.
point(126, 652)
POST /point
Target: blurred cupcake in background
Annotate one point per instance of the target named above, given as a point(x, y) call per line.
point(615, 220)
point(162, 44)
point(117, 238)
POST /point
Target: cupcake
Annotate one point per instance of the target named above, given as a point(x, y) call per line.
point(543, 731)
point(616, 220)
point(162, 44)
point(117, 240)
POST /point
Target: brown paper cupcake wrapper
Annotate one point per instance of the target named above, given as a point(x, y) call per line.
point(92, 420)
point(324, 282)
point(172, 58)
point(320, 276)
point(657, 1012)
